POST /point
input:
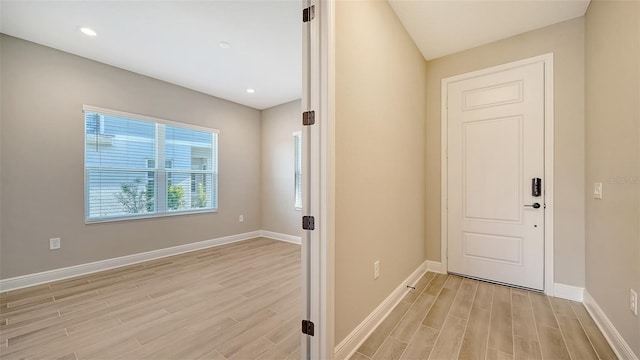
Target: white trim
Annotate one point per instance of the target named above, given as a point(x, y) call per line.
point(325, 293)
point(23, 281)
point(282, 237)
point(547, 59)
point(616, 341)
point(124, 114)
point(568, 292)
point(352, 342)
point(435, 266)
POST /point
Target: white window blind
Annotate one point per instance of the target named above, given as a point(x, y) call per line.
point(297, 136)
point(137, 166)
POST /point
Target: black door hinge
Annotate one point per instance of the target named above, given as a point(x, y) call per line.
point(307, 327)
point(308, 222)
point(308, 13)
point(308, 118)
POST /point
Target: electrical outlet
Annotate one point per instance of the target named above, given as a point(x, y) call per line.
point(633, 302)
point(376, 269)
point(241, 218)
point(54, 244)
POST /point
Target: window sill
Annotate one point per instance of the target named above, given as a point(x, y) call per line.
point(147, 216)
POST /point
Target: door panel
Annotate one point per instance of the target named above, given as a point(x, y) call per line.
point(495, 147)
point(492, 173)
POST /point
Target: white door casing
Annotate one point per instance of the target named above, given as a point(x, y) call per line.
point(493, 145)
point(317, 179)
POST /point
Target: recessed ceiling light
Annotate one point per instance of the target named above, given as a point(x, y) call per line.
point(88, 31)
point(224, 45)
point(251, 91)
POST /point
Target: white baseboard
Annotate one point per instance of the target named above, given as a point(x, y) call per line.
point(568, 292)
point(19, 282)
point(616, 341)
point(352, 342)
point(435, 266)
point(282, 237)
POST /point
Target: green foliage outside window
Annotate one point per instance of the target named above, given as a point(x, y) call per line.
point(132, 198)
point(175, 197)
point(202, 197)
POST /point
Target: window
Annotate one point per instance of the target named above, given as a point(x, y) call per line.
point(122, 176)
point(94, 124)
point(297, 136)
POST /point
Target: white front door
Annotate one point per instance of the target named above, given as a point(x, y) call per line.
point(495, 148)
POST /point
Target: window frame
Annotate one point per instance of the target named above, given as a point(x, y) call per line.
point(126, 115)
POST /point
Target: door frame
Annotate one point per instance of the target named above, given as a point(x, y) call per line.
point(319, 94)
point(547, 60)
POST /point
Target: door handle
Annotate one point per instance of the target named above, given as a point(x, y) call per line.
point(534, 205)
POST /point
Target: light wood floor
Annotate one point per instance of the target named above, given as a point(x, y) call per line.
point(238, 301)
point(448, 317)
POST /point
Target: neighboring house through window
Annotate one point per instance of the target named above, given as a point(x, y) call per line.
point(122, 179)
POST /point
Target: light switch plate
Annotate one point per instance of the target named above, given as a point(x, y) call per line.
point(597, 190)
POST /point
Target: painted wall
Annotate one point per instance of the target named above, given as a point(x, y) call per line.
point(566, 41)
point(277, 185)
point(612, 138)
point(42, 188)
point(379, 158)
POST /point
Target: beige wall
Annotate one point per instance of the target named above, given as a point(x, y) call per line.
point(277, 176)
point(566, 41)
point(613, 115)
point(379, 151)
point(43, 91)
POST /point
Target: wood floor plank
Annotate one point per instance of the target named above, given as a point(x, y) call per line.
point(359, 356)
point(436, 316)
point(484, 296)
point(448, 344)
point(562, 307)
point(284, 331)
point(252, 350)
point(474, 343)
point(600, 344)
point(576, 339)
point(421, 344)
point(284, 348)
point(523, 323)
point(526, 349)
point(453, 282)
point(409, 323)
point(552, 344)
point(494, 354)
point(420, 286)
point(464, 300)
point(501, 323)
point(542, 311)
point(295, 355)
point(380, 334)
point(436, 284)
point(391, 349)
point(211, 355)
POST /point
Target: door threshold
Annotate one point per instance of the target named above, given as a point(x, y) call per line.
point(498, 283)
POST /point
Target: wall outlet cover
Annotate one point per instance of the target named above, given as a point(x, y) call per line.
point(54, 244)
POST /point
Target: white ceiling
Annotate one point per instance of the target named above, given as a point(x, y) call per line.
point(443, 27)
point(178, 41)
